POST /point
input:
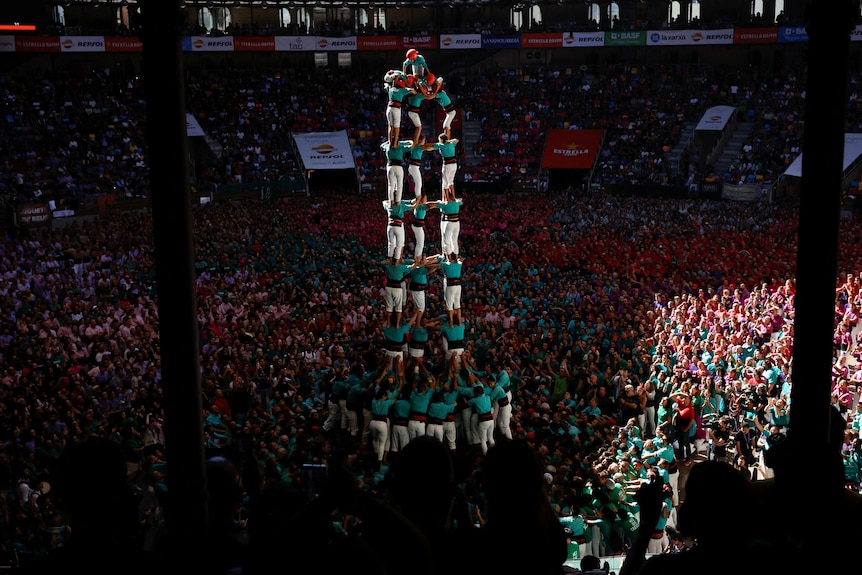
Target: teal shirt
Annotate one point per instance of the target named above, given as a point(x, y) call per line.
point(454, 333)
point(416, 154)
point(396, 272)
point(442, 98)
point(419, 276)
point(397, 94)
point(395, 334)
point(451, 269)
point(480, 403)
point(397, 211)
point(419, 335)
point(446, 149)
point(401, 409)
point(450, 208)
point(420, 211)
point(440, 409)
point(396, 153)
point(419, 401)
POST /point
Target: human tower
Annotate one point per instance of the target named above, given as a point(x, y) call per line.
point(449, 403)
point(407, 279)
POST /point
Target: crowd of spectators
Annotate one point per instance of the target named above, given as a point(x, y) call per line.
point(602, 297)
point(588, 299)
point(249, 113)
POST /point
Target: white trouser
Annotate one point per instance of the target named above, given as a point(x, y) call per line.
point(419, 236)
point(395, 183)
point(449, 232)
point(394, 241)
point(415, 173)
point(379, 431)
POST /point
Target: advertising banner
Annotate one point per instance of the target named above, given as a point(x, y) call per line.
point(584, 40)
point(460, 41)
point(637, 38)
point(571, 149)
point(325, 150)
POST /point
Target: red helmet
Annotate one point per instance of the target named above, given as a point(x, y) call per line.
point(412, 53)
point(430, 78)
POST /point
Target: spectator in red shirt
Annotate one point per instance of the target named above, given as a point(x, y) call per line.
point(683, 421)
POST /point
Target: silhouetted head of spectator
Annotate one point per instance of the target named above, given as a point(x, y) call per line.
point(699, 516)
point(423, 481)
point(92, 487)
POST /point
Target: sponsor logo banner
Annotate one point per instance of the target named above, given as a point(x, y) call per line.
point(716, 118)
point(254, 43)
point(325, 44)
point(856, 33)
point(420, 42)
point(755, 36)
point(793, 34)
point(294, 43)
point(37, 44)
point(82, 43)
point(493, 41)
point(584, 39)
point(123, 44)
point(193, 127)
point(7, 43)
point(637, 38)
point(541, 40)
point(571, 149)
point(745, 192)
point(712, 36)
point(33, 215)
point(460, 41)
point(207, 44)
point(689, 37)
point(324, 150)
point(379, 42)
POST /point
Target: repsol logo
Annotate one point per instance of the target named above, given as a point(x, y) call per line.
point(724, 36)
point(68, 44)
point(588, 39)
point(338, 43)
point(467, 42)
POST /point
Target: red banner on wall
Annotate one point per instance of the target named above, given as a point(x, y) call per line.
point(378, 43)
point(254, 43)
point(571, 149)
